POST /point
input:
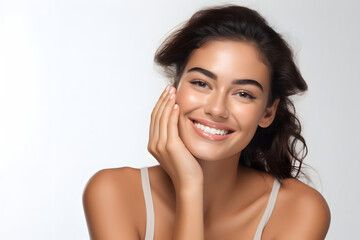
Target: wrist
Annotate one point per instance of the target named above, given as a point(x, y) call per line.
point(195, 188)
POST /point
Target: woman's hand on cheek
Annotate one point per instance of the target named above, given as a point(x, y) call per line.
point(167, 147)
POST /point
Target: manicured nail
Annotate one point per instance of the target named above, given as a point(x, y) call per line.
point(167, 88)
point(172, 90)
point(176, 106)
point(172, 96)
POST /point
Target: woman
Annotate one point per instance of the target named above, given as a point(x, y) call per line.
point(225, 136)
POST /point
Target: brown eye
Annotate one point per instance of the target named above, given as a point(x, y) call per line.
point(200, 84)
point(245, 95)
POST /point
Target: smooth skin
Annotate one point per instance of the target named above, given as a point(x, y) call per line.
point(199, 190)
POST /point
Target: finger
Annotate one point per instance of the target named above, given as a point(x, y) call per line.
point(160, 113)
point(161, 98)
point(155, 110)
point(154, 139)
point(173, 129)
point(164, 119)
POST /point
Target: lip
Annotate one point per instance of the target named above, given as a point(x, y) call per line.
point(208, 136)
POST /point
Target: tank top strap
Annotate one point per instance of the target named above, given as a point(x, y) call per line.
point(269, 208)
point(150, 217)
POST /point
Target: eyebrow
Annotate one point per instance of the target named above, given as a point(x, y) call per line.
point(237, 81)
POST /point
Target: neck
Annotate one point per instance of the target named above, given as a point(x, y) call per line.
point(220, 179)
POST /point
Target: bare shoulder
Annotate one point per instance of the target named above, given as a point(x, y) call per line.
point(306, 200)
point(111, 179)
point(301, 212)
point(111, 202)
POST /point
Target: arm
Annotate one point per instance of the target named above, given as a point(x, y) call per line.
point(189, 220)
point(107, 206)
point(181, 166)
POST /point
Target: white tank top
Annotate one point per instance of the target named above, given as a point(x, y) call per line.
point(150, 217)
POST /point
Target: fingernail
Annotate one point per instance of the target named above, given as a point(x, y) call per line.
point(167, 88)
point(172, 95)
point(176, 106)
point(172, 90)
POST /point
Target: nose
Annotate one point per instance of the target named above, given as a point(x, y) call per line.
point(216, 105)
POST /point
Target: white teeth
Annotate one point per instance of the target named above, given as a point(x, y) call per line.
point(211, 130)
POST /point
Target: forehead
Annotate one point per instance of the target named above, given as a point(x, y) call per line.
point(230, 60)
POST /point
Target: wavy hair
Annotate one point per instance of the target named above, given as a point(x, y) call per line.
point(280, 148)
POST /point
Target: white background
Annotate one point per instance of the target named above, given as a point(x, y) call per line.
point(77, 86)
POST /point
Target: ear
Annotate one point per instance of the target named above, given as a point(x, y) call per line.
point(269, 114)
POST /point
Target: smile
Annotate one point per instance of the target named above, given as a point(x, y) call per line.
point(211, 130)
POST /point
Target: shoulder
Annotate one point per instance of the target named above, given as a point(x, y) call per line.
point(110, 200)
point(106, 179)
point(111, 183)
point(306, 201)
point(301, 212)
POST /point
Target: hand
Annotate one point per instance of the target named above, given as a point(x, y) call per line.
point(167, 147)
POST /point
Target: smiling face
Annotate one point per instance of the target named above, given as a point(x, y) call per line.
point(222, 97)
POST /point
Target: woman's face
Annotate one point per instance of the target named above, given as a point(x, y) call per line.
point(222, 96)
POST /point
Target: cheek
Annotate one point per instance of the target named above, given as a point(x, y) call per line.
point(248, 116)
point(186, 98)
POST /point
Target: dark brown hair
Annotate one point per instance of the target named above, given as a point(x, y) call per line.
point(274, 149)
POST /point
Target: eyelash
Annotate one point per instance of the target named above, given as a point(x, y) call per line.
point(199, 83)
point(204, 84)
point(245, 95)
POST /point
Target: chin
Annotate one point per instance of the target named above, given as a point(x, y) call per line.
point(205, 152)
point(205, 156)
